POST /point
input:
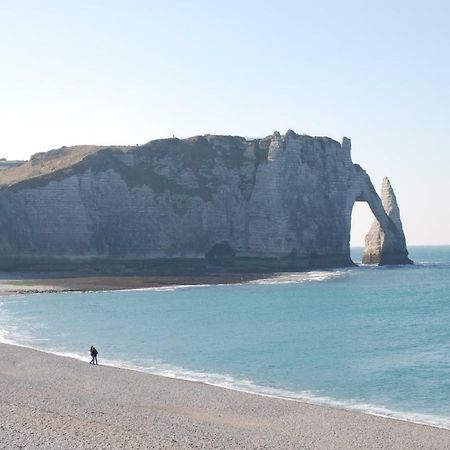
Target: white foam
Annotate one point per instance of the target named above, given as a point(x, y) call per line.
point(173, 287)
point(225, 381)
point(277, 278)
point(6, 338)
point(300, 277)
point(155, 367)
point(165, 288)
point(13, 331)
point(10, 334)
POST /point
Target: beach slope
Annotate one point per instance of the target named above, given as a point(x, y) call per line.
point(48, 401)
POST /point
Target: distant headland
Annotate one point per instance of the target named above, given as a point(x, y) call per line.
point(280, 203)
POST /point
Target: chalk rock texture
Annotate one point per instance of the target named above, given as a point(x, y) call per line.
point(384, 244)
point(283, 202)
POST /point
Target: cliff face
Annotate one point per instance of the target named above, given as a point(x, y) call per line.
point(278, 203)
point(382, 245)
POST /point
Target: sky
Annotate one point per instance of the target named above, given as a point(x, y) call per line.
point(116, 72)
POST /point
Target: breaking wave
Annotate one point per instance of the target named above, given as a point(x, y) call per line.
point(226, 381)
point(156, 367)
point(301, 277)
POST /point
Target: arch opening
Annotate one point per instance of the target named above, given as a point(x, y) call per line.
point(362, 218)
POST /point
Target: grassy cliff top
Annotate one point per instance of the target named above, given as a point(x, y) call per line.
point(196, 150)
point(46, 162)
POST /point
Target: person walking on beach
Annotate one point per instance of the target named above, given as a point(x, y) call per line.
point(94, 354)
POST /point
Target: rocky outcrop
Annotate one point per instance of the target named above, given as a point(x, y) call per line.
point(386, 244)
point(283, 202)
point(9, 164)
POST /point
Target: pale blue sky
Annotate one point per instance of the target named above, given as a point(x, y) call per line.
point(125, 72)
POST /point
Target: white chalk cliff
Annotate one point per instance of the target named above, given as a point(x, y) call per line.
point(283, 202)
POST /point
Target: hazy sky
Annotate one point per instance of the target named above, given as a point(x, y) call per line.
point(125, 72)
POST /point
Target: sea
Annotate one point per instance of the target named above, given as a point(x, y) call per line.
point(370, 339)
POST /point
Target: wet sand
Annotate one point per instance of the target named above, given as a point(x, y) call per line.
point(48, 401)
point(37, 283)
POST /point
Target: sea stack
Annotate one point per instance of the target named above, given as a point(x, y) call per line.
point(387, 245)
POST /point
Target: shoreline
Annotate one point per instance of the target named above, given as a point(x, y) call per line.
point(116, 284)
point(315, 401)
point(23, 283)
point(135, 409)
point(48, 283)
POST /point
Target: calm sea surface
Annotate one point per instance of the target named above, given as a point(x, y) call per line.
point(374, 339)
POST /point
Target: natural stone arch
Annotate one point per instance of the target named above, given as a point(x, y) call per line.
point(385, 242)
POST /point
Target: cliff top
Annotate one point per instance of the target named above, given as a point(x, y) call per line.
point(8, 164)
point(45, 163)
point(61, 160)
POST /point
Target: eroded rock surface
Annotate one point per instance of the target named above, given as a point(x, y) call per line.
point(283, 202)
point(386, 244)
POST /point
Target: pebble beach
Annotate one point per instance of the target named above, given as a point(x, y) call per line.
point(54, 402)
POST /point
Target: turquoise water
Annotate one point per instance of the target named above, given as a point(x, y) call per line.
point(374, 339)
